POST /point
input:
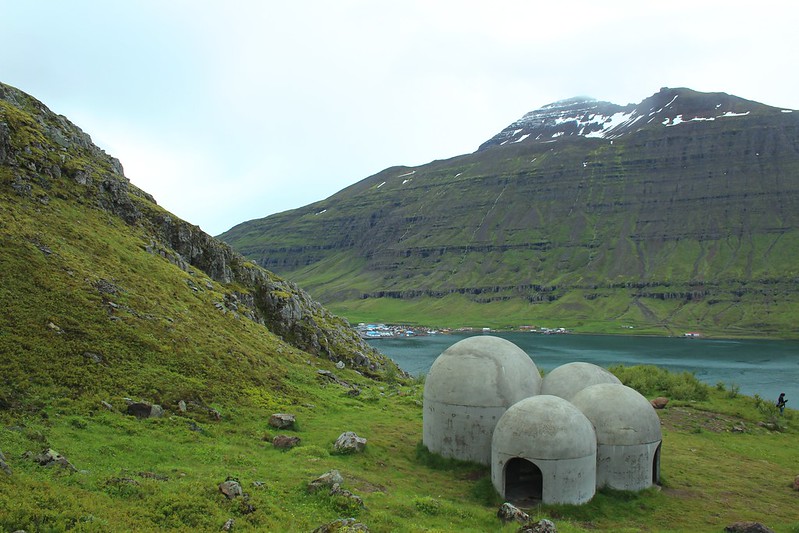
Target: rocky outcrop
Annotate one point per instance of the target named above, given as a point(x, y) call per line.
point(46, 152)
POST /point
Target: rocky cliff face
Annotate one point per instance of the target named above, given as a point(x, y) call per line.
point(44, 155)
point(576, 204)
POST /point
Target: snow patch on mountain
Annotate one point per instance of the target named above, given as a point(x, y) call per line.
point(587, 117)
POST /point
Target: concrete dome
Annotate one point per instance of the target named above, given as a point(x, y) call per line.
point(468, 388)
point(545, 427)
point(544, 448)
point(567, 380)
point(628, 435)
point(620, 414)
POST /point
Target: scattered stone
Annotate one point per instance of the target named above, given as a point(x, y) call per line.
point(349, 442)
point(332, 377)
point(542, 526)
point(282, 420)
point(328, 479)
point(51, 326)
point(740, 427)
point(107, 405)
point(354, 391)
point(153, 475)
point(50, 457)
point(93, 357)
point(258, 484)
point(121, 481)
point(228, 526)
point(340, 365)
point(659, 402)
point(508, 513)
point(747, 527)
point(145, 410)
point(342, 525)
point(215, 415)
point(3, 465)
point(285, 442)
point(182, 406)
point(336, 490)
point(231, 488)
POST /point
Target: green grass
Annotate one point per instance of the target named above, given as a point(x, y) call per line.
point(163, 473)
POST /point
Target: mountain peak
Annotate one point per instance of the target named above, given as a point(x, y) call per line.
point(583, 116)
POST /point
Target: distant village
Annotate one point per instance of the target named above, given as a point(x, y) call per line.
point(384, 331)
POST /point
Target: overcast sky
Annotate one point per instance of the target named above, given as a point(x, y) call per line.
point(232, 110)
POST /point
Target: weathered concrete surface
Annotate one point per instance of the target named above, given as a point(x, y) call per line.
point(567, 380)
point(628, 435)
point(556, 437)
point(469, 387)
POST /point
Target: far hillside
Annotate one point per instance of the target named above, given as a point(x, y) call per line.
point(676, 214)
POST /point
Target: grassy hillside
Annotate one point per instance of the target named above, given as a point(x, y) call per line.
point(107, 299)
point(163, 473)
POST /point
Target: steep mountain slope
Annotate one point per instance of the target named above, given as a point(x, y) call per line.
point(681, 211)
point(104, 293)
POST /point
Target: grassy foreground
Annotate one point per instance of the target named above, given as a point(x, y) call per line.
point(152, 474)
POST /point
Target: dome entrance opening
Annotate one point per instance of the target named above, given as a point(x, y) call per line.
point(523, 481)
point(656, 466)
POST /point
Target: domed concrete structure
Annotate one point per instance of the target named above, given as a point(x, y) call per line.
point(628, 435)
point(469, 387)
point(567, 380)
point(544, 449)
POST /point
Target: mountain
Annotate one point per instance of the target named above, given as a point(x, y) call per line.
point(105, 293)
point(681, 211)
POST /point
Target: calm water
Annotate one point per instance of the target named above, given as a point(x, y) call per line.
point(761, 367)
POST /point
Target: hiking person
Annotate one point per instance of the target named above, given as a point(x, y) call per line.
point(781, 401)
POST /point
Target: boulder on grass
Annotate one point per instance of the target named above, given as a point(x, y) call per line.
point(659, 402)
point(747, 527)
point(231, 488)
point(285, 442)
point(542, 526)
point(509, 513)
point(282, 420)
point(342, 525)
point(50, 457)
point(328, 479)
point(349, 442)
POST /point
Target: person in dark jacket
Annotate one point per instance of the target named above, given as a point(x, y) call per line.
point(781, 401)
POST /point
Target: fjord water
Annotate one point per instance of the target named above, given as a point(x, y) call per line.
point(764, 367)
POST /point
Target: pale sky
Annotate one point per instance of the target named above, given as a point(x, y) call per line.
point(232, 110)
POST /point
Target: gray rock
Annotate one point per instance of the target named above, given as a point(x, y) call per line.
point(349, 442)
point(50, 457)
point(282, 420)
point(336, 490)
point(342, 525)
point(145, 410)
point(340, 365)
point(182, 406)
point(328, 479)
point(747, 527)
point(542, 526)
point(3, 465)
point(509, 513)
point(230, 488)
point(228, 525)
